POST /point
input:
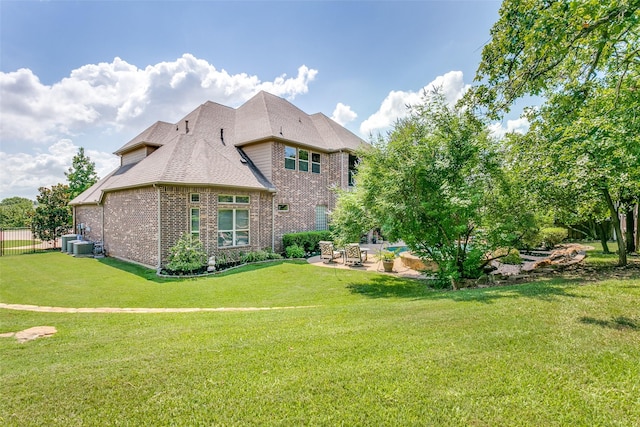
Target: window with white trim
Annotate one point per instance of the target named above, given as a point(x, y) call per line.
point(315, 162)
point(195, 222)
point(290, 158)
point(233, 227)
point(195, 197)
point(303, 160)
point(240, 200)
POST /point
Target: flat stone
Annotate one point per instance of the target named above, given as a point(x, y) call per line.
point(34, 333)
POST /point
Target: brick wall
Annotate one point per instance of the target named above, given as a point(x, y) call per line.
point(303, 191)
point(131, 225)
point(91, 217)
point(176, 208)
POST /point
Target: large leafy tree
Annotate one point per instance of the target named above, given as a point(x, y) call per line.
point(81, 175)
point(583, 57)
point(15, 212)
point(435, 182)
point(52, 217)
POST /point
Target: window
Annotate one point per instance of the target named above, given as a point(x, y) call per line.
point(290, 158)
point(321, 218)
point(241, 200)
point(195, 222)
point(303, 159)
point(195, 198)
point(283, 208)
point(233, 227)
point(303, 162)
point(353, 165)
point(315, 162)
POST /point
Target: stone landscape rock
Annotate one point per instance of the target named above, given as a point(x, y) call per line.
point(31, 333)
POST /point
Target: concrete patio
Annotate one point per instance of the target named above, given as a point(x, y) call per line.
point(371, 264)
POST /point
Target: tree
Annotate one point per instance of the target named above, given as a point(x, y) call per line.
point(435, 183)
point(15, 212)
point(540, 46)
point(81, 175)
point(583, 57)
point(52, 217)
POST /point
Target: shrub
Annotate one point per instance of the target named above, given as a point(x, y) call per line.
point(295, 251)
point(512, 257)
point(257, 256)
point(307, 240)
point(552, 236)
point(187, 255)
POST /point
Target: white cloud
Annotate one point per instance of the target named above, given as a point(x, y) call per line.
point(343, 114)
point(498, 130)
point(22, 173)
point(116, 98)
point(117, 94)
point(394, 106)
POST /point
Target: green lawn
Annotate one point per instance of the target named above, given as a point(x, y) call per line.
point(373, 349)
point(8, 244)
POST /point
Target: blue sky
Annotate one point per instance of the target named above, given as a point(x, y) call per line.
point(97, 73)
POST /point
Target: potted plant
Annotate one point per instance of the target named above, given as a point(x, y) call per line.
point(388, 258)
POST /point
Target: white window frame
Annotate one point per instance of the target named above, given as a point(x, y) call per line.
point(232, 235)
point(194, 197)
point(318, 163)
point(288, 157)
point(194, 232)
point(234, 199)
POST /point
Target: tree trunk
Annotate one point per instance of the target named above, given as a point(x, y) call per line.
point(603, 233)
point(615, 219)
point(629, 237)
point(638, 226)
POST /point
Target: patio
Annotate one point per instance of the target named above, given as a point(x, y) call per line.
point(371, 263)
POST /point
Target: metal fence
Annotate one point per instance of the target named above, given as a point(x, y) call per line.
point(17, 241)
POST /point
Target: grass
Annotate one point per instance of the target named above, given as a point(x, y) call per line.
point(374, 349)
point(8, 244)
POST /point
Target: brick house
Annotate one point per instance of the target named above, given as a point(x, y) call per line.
point(237, 178)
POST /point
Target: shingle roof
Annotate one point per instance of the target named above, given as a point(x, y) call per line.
point(209, 151)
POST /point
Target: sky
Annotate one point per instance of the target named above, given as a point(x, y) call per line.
point(95, 74)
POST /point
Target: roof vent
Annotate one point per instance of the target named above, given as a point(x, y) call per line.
point(186, 125)
point(222, 136)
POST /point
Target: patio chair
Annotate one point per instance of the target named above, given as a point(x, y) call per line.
point(353, 254)
point(328, 252)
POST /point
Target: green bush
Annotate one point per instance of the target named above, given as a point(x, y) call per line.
point(187, 256)
point(512, 257)
point(295, 251)
point(257, 256)
point(307, 240)
point(551, 236)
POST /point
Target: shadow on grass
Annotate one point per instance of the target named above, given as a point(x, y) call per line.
point(619, 323)
point(393, 287)
point(150, 274)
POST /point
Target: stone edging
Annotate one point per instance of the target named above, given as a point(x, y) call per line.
point(47, 309)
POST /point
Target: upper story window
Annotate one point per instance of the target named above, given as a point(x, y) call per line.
point(241, 200)
point(302, 160)
point(315, 162)
point(353, 166)
point(290, 158)
point(195, 198)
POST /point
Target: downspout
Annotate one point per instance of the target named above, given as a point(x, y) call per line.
point(159, 231)
point(273, 222)
point(341, 170)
